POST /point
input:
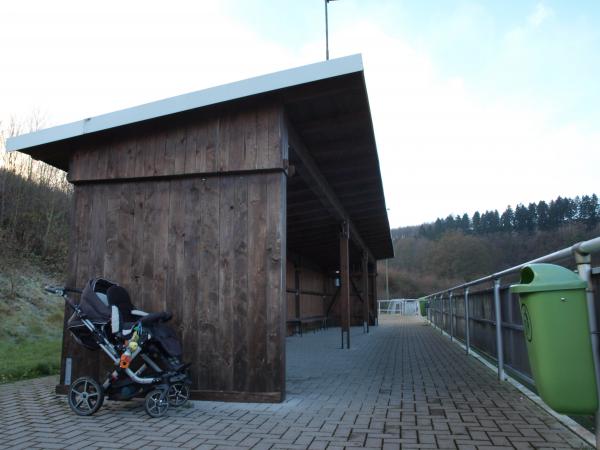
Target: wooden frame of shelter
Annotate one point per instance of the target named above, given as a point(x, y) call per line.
point(244, 209)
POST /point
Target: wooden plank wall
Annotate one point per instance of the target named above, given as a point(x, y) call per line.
point(316, 289)
point(356, 304)
point(211, 249)
point(242, 140)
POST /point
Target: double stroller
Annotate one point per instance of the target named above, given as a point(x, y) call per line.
point(106, 319)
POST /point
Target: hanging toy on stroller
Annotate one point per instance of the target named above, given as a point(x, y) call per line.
point(106, 319)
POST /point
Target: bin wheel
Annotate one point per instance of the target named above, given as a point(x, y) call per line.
point(178, 394)
point(156, 403)
point(85, 396)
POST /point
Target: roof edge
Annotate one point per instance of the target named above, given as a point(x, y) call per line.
point(186, 102)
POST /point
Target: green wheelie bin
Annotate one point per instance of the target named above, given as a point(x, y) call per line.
point(555, 322)
point(423, 307)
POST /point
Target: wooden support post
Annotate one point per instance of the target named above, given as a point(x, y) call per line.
point(375, 298)
point(345, 284)
point(297, 296)
point(365, 289)
point(297, 283)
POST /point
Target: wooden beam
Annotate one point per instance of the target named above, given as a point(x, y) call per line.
point(312, 226)
point(356, 291)
point(347, 120)
point(332, 302)
point(345, 284)
point(316, 181)
point(326, 88)
point(313, 202)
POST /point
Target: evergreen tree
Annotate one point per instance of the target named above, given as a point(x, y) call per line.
point(576, 207)
point(438, 227)
point(531, 217)
point(595, 212)
point(570, 209)
point(543, 219)
point(495, 221)
point(465, 223)
point(476, 222)
point(507, 220)
point(541, 216)
point(521, 218)
point(554, 215)
point(588, 210)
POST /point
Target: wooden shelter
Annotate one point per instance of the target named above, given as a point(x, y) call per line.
point(249, 210)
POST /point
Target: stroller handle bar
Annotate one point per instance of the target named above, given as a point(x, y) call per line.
point(60, 290)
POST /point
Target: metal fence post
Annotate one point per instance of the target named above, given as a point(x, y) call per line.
point(442, 315)
point(428, 305)
point(467, 338)
point(451, 316)
point(584, 269)
point(499, 350)
point(436, 318)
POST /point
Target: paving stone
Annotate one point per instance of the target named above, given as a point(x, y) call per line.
point(402, 386)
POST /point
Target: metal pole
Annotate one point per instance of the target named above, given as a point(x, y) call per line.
point(326, 33)
point(584, 269)
point(451, 316)
point(499, 349)
point(387, 281)
point(438, 315)
point(467, 337)
point(442, 315)
point(426, 299)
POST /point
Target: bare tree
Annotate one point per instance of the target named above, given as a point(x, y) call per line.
point(34, 201)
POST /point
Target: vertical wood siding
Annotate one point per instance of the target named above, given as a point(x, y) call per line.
point(232, 141)
point(209, 247)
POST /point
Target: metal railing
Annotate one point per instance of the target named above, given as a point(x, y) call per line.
point(400, 306)
point(471, 312)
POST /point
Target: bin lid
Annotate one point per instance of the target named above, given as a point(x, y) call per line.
point(547, 277)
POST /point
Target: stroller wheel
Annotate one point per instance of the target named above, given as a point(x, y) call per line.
point(178, 394)
point(85, 396)
point(156, 403)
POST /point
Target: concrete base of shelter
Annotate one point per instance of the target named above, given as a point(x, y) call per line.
point(219, 396)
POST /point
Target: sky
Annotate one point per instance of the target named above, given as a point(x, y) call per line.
point(476, 104)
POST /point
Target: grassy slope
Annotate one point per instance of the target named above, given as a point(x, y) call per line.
point(30, 322)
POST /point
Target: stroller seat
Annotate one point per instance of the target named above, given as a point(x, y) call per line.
point(124, 316)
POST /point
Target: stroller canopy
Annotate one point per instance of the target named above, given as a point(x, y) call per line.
point(94, 302)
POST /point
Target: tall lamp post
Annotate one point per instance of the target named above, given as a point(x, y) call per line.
point(327, 31)
point(387, 280)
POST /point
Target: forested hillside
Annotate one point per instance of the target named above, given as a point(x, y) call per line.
point(34, 207)
point(34, 219)
point(460, 248)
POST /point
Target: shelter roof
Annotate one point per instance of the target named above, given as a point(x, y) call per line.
point(327, 105)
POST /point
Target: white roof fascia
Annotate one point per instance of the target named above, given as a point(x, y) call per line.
point(193, 100)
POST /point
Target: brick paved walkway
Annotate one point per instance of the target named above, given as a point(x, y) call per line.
point(401, 386)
